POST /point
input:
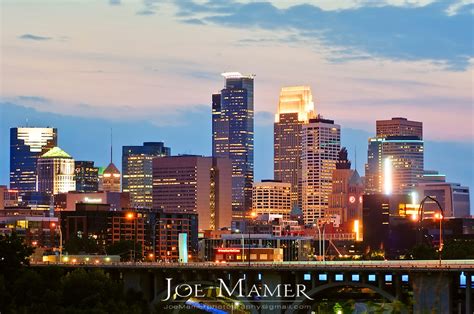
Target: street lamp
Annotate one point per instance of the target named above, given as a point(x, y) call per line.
point(58, 227)
point(131, 216)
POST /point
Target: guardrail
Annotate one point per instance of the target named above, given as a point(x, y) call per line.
point(419, 264)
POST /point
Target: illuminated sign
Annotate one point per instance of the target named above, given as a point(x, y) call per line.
point(352, 199)
point(92, 200)
point(228, 250)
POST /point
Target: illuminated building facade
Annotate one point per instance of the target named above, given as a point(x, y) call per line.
point(345, 199)
point(8, 197)
point(55, 170)
point(321, 143)
point(295, 107)
point(399, 127)
point(69, 201)
point(272, 197)
point(233, 136)
point(137, 171)
point(453, 198)
point(168, 226)
point(86, 176)
point(396, 154)
point(111, 179)
point(26, 146)
point(194, 184)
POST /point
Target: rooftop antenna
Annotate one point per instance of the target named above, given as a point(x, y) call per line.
point(111, 145)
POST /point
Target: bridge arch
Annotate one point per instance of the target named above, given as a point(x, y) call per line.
point(315, 291)
point(205, 285)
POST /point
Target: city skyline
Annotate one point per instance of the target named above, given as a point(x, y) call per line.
point(429, 85)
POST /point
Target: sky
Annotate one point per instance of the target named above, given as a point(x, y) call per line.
point(148, 69)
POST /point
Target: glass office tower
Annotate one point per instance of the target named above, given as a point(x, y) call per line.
point(233, 136)
point(26, 146)
point(137, 171)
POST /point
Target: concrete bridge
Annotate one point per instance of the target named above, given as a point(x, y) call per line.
point(296, 287)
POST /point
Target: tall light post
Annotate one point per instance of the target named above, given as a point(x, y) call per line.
point(134, 218)
point(58, 227)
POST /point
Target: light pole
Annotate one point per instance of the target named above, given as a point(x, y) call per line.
point(131, 216)
point(58, 227)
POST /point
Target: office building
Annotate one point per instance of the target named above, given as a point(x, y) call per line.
point(8, 197)
point(271, 197)
point(321, 143)
point(295, 107)
point(137, 171)
point(55, 170)
point(233, 136)
point(168, 226)
point(194, 184)
point(111, 179)
point(453, 198)
point(27, 144)
point(86, 176)
point(69, 201)
point(399, 127)
point(395, 157)
point(345, 199)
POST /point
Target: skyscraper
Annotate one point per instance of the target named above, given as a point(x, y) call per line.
point(26, 146)
point(295, 107)
point(111, 179)
point(345, 199)
point(55, 170)
point(194, 184)
point(321, 143)
point(395, 157)
point(137, 171)
point(86, 176)
point(233, 136)
point(272, 197)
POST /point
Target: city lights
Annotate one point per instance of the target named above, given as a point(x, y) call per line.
point(388, 179)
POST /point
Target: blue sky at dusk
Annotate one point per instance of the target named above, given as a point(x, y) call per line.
point(148, 69)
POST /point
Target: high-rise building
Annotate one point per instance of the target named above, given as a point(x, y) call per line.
point(399, 127)
point(233, 135)
point(137, 171)
point(189, 184)
point(321, 143)
point(395, 157)
point(295, 107)
point(272, 197)
point(55, 170)
point(453, 198)
point(86, 176)
point(345, 199)
point(111, 179)
point(26, 146)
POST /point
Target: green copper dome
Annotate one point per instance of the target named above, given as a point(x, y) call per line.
point(56, 152)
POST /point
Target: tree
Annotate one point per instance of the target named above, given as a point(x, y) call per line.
point(423, 251)
point(125, 249)
point(78, 245)
point(14, 254)
point(458, 249)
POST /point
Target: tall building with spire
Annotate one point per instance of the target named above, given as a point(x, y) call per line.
point(233, 136)
point(55, 170)
point(295, 107)
point(27, 144)
point(111, 177)
point(321, 143)
point(137, 171)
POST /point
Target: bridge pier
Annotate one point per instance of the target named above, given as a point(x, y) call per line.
point(432, 293)
point(469, 309)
